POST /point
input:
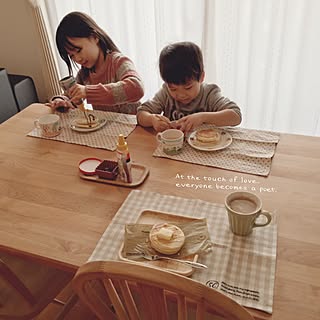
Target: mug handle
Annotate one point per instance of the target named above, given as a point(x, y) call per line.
point(36, 123)
point(159, 136)
point(267, 215)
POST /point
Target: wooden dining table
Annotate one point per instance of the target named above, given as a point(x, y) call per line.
point(50, 214)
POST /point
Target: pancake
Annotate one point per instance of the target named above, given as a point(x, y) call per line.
point(211, 136)
point(83, 123)
point(166, 238)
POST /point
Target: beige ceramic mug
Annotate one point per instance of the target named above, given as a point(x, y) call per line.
point(49, 125)
point(171, 141)
point(243, 209)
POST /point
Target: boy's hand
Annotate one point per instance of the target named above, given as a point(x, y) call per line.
point(160, 123)
point(190, 122)
point(77, 92)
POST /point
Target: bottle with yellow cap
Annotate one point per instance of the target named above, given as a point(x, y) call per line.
point(124, 161)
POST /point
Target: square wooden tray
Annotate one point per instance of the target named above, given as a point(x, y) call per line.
point(139, 174)
point(152, 217)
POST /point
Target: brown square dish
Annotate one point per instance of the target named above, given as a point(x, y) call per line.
point(107, 169)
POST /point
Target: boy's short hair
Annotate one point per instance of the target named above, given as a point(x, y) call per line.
point(181, 62)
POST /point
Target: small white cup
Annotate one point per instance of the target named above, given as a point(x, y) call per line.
point(243, 209)
point(171, 141)
point(49, 125)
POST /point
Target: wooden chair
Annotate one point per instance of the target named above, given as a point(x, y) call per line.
point(27, 287)
point(121, 290)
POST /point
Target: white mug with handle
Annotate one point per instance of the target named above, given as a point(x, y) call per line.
point(171, 141)
point(243, 209)
point(49, 125)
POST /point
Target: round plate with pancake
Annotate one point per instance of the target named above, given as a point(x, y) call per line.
point(225, 141)
point(86, 128)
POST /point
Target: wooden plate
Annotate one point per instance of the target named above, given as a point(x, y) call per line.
point(152, 217)
point(139, 174)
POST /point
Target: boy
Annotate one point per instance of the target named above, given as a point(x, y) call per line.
point(185, 101)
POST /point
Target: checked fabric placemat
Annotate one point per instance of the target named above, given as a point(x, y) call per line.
point(251, 151)
point(241, 267)
point(104, 138)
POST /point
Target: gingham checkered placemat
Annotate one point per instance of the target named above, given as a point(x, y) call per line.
point(251, 151)
point(104, 138)
point(240, 267)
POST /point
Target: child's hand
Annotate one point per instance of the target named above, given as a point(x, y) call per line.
point(77, 92)
point(190, 122)
point(160, 123)
point(60, 105)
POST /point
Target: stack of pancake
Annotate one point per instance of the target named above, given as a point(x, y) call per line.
point(166, 238)
point(208, 136)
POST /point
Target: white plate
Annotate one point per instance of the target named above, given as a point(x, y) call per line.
point(224, 142)
point(73, 126)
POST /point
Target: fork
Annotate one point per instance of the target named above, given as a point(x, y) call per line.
point(153, 257)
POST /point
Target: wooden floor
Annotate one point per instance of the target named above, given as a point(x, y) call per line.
point(78, 312)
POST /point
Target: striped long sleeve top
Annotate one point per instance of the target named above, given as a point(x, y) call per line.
point(116, 86)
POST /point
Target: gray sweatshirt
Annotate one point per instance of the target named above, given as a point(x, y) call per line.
point(209, 99)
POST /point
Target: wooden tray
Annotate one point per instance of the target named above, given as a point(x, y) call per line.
point(139, 174)
point(152, 217)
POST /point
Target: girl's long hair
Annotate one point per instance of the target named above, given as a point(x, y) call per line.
point(80, 25)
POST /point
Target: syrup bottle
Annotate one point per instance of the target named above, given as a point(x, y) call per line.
point(124, 161)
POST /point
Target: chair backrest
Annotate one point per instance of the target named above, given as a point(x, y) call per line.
point(8, 106)
point(27, 287)
point(23, 89)
point(122, 290)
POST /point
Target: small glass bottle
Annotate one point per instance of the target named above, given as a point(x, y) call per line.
point(124, 161)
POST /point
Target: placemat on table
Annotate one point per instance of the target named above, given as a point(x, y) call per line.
point(251, 151)
point(243, 268)
point(104, 138)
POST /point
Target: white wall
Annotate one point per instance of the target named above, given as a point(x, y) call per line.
point(20, 51)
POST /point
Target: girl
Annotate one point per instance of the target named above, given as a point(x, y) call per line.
point(107, 79)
